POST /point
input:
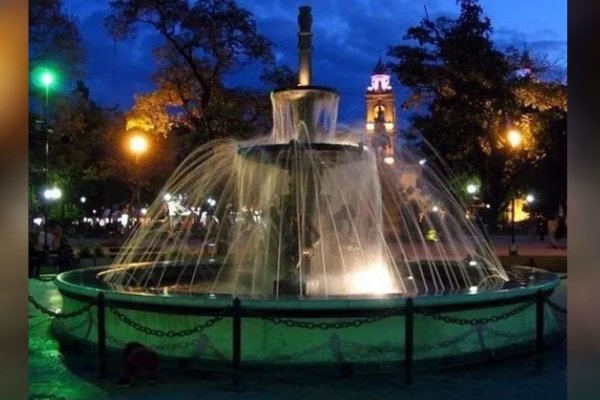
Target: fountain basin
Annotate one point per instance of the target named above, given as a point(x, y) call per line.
point(304, 330)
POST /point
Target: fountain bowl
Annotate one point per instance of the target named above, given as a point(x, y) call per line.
point(309, 330)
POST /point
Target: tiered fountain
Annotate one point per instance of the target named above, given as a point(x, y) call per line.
point(295, 230)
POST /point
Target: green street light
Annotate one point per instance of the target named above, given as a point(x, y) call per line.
point(47, 78)
point(44, 77)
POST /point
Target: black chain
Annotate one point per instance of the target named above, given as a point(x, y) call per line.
point(475, 321)
point(110, 337)
point(512, 336)
point(370, 349)
point(170, 333)
point(291, 323)
point(556, 307)
point(53, 314)
point(446, 343)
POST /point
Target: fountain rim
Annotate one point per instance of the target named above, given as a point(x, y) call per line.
point(204, 304)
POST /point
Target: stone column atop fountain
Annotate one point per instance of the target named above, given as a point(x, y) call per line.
point(304, 113)
point(304, 45)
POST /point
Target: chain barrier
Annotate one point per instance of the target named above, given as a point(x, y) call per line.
point(370, 349)
point(511, 336)
point(170, 333)
point(54, 314)
point(556, 307)
point(475, 321)
point(292, 323)
point(84, 322)
point(109, 337)
point(445, 343)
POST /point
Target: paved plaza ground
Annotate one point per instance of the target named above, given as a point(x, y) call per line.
point(52, 375)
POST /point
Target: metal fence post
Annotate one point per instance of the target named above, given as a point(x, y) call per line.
point(539, 314)
point(101, 306)
point(408, 339)
point(236, 341)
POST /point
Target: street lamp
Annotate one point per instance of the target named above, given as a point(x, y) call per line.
point(515, 138)
point(472, 188)
point(52, 194)
point(138, 144)
point(46, 79)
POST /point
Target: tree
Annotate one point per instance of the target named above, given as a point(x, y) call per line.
point(204, 40)
point(54, 44)
point(466, 94)
point(279, 76)
point(172, 110)
point(54, 38)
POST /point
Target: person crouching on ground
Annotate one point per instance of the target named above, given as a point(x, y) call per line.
point(138, 358)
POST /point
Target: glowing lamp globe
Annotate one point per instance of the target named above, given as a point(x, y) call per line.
point(47, 78)
point(138, 144)
point(514, 137)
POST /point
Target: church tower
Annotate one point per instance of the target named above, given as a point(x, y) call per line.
point(381, 123)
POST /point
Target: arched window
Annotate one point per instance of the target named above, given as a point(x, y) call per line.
point(379, 113)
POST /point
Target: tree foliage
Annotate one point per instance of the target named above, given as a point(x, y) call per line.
point(466, 94)
point(204, 39)
point(54, 37)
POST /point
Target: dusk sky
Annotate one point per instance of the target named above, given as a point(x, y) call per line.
point(349, 36)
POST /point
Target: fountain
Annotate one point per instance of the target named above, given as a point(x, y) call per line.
point(311, 240)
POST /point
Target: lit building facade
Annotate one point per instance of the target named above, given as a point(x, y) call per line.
point(381, 123)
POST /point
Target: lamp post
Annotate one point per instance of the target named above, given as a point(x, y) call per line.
point(471, 189)
point(46, 78)
point(514, 138)
point(138, 144)
point(49, 195)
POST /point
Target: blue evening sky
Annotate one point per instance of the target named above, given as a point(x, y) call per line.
point(349, 36)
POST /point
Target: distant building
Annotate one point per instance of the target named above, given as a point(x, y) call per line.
point(398, 175)
point(381, 123)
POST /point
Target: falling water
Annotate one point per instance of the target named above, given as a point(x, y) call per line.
point(303, 212)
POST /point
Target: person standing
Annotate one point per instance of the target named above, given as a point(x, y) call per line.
point(552, 229)
point(35, 260)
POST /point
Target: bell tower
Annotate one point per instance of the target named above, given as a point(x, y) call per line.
point(381, 124)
